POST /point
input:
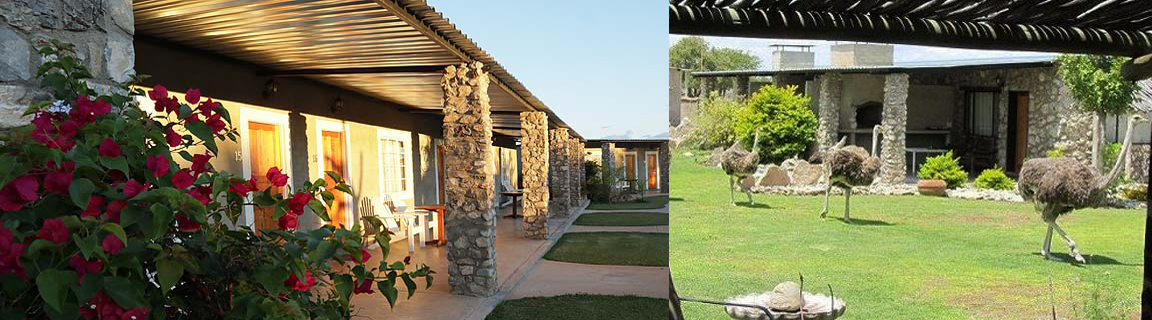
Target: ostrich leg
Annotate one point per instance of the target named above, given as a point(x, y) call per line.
point(847, 204)
point(749, 193)
point(827, 193)
point(731, 193)
point(1075, 250)
point(1047, 243)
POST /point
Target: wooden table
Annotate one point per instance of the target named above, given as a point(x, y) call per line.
point(439, 209)
point(515, 206)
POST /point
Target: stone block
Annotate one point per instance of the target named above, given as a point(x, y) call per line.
point(774, 176)
point(119, 57)
point(15, 56)
point(14, 100)
point(806, 173)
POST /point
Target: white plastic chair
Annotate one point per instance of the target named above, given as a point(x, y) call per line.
point(392, 220)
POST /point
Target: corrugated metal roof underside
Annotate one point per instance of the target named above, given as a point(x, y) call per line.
point(1008, 62)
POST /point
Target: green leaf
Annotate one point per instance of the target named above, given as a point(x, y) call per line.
point(335, 176)
point(204, 133)
point(80, 191)
point(37, 246)
point(89, 246)
point(264, 198)
point(319, 209)
point(126, 294)
point(118, 163)
point(168, 272)
point(161, 219)
point(324, 251)
point(344, 286)
point(115, 229)
point(53, 286)
point(320, 183)
point(272, 278)
point(411, 285)
point(187, 156)
point(344, 187)
point(388, 287)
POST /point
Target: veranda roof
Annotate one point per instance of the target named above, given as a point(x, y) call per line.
point(912, 66)
point(393, 50)
point(1115, 27)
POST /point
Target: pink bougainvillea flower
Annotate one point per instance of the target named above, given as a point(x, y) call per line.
point(294, 282)
point(276, 178)
point(112, 244)
point(112, 213)
point(207, 106)
point(173, 138)
point(288, 221)
point(158, 92)
point(185, 224)
point(192, 96)
point(85, 266)
point(182, 179)
point(298, 201)
point(54, 230)
point(202, 194)
point(18, 192)
point(158, 164)
point(58, 180)
point(133, 188)
point(135, 314)
point(109, 148)
point(364, 256)
point(200, 162)
point(101, 107)
point(363, 286)
point(216, 123)
point(102, 307)
point(95, 207)
point(240, 188)
point(10, 252)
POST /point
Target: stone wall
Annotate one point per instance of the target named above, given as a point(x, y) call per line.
point(665, 156)
point(893, 168)
point(576, 158)
point(829, 110)
point(534, 170)
point(607, 157)
point(101, 31)
point(469, 220)
point(1136, 164)
point(561, 166)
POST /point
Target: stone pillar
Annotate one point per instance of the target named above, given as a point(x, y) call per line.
point(607, 158)
point(101, 32)
point(894, 123)
point(829, 109)
point(576, 158)
point(665, 156)
point(561, 166)
point(534, 173)
point(470, 220)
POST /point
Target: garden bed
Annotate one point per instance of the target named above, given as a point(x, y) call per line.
point(611, 248)
point(623, 219)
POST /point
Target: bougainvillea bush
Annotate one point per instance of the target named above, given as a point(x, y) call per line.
point(100, 222)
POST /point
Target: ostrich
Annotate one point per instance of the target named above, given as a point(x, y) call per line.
point(1057, 186)
point(846, 167)
point(740, 164)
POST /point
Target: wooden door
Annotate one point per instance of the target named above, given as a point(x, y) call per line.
point(1021, 133)
point(630, 169)
point(653, 172)
point(333, 144)
point(264, 152)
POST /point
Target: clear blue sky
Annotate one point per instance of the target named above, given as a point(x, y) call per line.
point(601, 65)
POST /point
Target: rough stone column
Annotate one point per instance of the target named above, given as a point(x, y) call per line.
point(894, 124)
point(829, 109)
point(607, 158)
point(576, 158)
point(101, 32)
point(469, 221)
point(665, 156)
point(534, 173)
point(561, 166)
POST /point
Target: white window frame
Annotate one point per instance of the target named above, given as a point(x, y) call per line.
point(336, 126)
point(635, 165)
point(409, 195)
point(245, 115)
point(646, 164)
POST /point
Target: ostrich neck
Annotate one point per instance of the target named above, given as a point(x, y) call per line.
point(756, 144)
point(1124, 148)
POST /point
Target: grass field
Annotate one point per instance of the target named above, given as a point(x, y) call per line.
point(581, 307)
point(651, 202)
point(615, 248)
point(907, 257)
point(623, 219)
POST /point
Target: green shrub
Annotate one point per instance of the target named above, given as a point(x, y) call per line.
point(1111, 152)
point(1056, 153)
point(1134, 192)
point(994, 179)
point(943, 167)
point(714, 122)
point(783, 117)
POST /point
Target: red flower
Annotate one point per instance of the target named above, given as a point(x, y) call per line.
point(18, 192)
point(158, 163)
point(59, 180)
point(135, 314)
point(364, 256)
point(288, 221)
point(173, 138)
point(133, 188)
point(407, 260)
point(54, 230)
point(218, 125)
point(184, 224)
point(202, 194)
point(159, 92)
point(363, 286)
point(182, 179)
point(192, 96)
point(112, 244)
point(207, 106)
point(298, 201)
point(95, 207)
point(200, 162)
point(109, 148)
point(103, 307)
point(116, 176)
point(294, 282)
point(276, 178)
point(84, 266)
point(10, 252)
point(113, 211)
point(241, 188)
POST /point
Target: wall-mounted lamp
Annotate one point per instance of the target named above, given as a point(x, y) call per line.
point(270, 88)
point(338, 105)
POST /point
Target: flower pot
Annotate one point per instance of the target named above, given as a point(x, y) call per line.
point(937, 188)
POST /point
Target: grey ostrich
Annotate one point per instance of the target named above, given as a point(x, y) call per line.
point(1057, 186)
point(846, 167)
point(740, 164)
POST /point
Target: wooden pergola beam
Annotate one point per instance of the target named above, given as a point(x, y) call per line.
point(1139, 68)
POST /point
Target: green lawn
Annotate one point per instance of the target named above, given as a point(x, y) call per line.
point(623, 219)
point(908, 257)
point(650, 202)
point(615, 248)
point(581, 307)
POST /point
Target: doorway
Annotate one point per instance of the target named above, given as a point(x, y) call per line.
point(630, 170)
point(1017, 130)
point(653, 171)
point(264, 152)
point(333, 154)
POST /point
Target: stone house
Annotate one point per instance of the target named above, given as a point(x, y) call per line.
point(989, 112)
point(387, 93)
point(642, 164)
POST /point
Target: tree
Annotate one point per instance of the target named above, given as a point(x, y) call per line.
point(696, 54)
point(786, 124)
point(714, 122)
point(1096, 83)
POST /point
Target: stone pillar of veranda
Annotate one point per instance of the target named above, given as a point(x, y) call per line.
point(665, 164)
point(894, 123)
point(559, 183)
point(607, 159)
point(828, 105)
point(576, 158)
point(534, 173)
point(469, 221)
